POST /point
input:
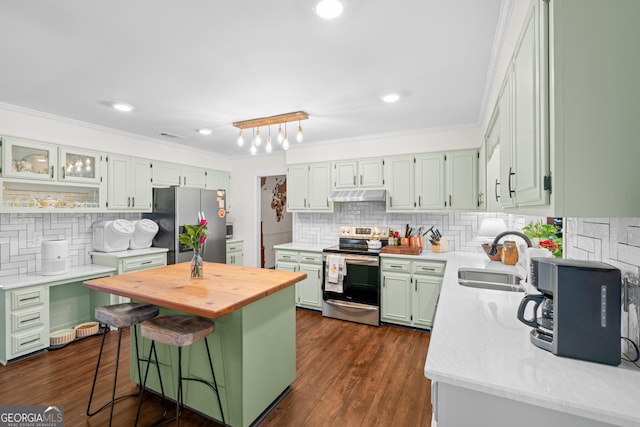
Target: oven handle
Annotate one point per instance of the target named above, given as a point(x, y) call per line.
point(362, 261)
point(351, 305)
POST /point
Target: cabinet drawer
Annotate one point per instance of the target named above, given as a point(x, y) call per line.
point(396, 265)
point(429, 267)
point(234, 247)
point(25, 343)
point(287, 256)
point(310, 257)
point(27, 320)
point(143, 262)
point(27, 298)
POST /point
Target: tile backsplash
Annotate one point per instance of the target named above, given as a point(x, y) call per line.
point(615, 241)
point(459, 228)
point(20, 254)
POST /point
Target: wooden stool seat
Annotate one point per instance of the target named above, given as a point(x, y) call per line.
point(126, 314)
point(177, 331)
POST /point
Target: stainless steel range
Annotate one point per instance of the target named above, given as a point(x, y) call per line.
point(351, 282)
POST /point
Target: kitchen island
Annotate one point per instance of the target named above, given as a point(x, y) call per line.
point(253, 346)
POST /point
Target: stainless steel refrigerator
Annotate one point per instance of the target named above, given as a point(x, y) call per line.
point(176, 206)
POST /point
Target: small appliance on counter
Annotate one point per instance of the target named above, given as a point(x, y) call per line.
point(579, 307)
point(112, 236)
point(144, 231)
point(55, 257)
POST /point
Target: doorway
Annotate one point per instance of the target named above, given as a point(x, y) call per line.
point(276, 224)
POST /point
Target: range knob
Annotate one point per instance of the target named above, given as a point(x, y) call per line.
point(345, 231)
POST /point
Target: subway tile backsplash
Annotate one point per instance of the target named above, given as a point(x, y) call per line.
point(19, 254)
point(615, 241)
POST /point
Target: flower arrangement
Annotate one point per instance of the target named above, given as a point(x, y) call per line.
point(194, 238)
point(546, 235)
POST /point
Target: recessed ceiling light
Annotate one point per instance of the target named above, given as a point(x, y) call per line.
point(121, 106)
point(391, 98)
point(205, 131)
point(329, 9)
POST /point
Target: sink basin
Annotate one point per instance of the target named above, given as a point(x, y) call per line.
point(489, 279)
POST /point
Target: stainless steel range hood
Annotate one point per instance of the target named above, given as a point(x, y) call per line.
point(362, 195)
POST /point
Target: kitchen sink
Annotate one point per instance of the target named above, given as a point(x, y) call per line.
point(489, 279)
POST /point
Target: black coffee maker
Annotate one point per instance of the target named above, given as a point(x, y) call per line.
point(577, 314)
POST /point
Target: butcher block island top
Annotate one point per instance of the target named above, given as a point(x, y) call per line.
point(253, 346)
point(224, 288)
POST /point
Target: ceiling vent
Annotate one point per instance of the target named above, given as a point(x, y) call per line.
point(171, 135)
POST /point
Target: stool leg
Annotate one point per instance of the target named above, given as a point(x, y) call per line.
point(143, 383)
point(95, 376)
point(115, 377)
point(135, 339)
point(179, 397)
point(215, 383)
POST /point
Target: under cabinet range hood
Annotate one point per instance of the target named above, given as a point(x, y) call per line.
point(361, 195)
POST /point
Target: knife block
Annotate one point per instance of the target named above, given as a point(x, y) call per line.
point(442, 246)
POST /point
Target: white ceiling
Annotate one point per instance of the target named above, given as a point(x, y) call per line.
point(190, 64)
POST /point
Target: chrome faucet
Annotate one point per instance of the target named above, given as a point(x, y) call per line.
point(494, 245)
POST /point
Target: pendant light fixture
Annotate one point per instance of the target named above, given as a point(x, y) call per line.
point(268, 147)
point(299, 136)
point(285, 142)
point(258, 138)
point(282, 138)
point(240, 139)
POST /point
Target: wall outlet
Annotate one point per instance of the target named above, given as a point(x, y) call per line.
point(37, 238)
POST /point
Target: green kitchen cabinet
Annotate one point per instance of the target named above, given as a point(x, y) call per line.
point(523, 107)
point(395, 298)
point(308, 291)
point(410, 291)
point(462, 180)
point(360, 173)
point(129, 183)
point(400, 183)
point(30, 313)
point(430, 181)
point(235, 252)
point(194, 177)
point(433, 181)
point(27, 159)
point(567, 145)
point(128, 262)
point(308, 187)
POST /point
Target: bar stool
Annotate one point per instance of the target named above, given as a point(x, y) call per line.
point(120, 316)
point(179, 331)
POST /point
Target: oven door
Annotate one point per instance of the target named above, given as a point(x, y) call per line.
point(360, 284)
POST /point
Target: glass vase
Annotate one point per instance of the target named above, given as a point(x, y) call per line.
point(197, 265)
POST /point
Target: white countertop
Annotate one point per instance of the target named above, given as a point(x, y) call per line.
point(21, 280)
point(311, 247)
point(130, 252)
point(478, 343)
point(234, 240)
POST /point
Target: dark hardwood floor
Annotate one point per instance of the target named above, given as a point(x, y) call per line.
point(347, 375)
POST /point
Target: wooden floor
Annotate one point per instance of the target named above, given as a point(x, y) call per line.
point(347, 375)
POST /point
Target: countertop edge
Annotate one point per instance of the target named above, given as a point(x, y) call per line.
point(74, 273)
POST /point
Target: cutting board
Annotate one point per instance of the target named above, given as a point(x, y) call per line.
point(401, 250)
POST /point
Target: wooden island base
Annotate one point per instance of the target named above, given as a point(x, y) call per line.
point(253, 346)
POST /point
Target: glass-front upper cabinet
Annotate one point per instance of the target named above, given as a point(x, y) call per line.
point(23, 158)
point(79, 165)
